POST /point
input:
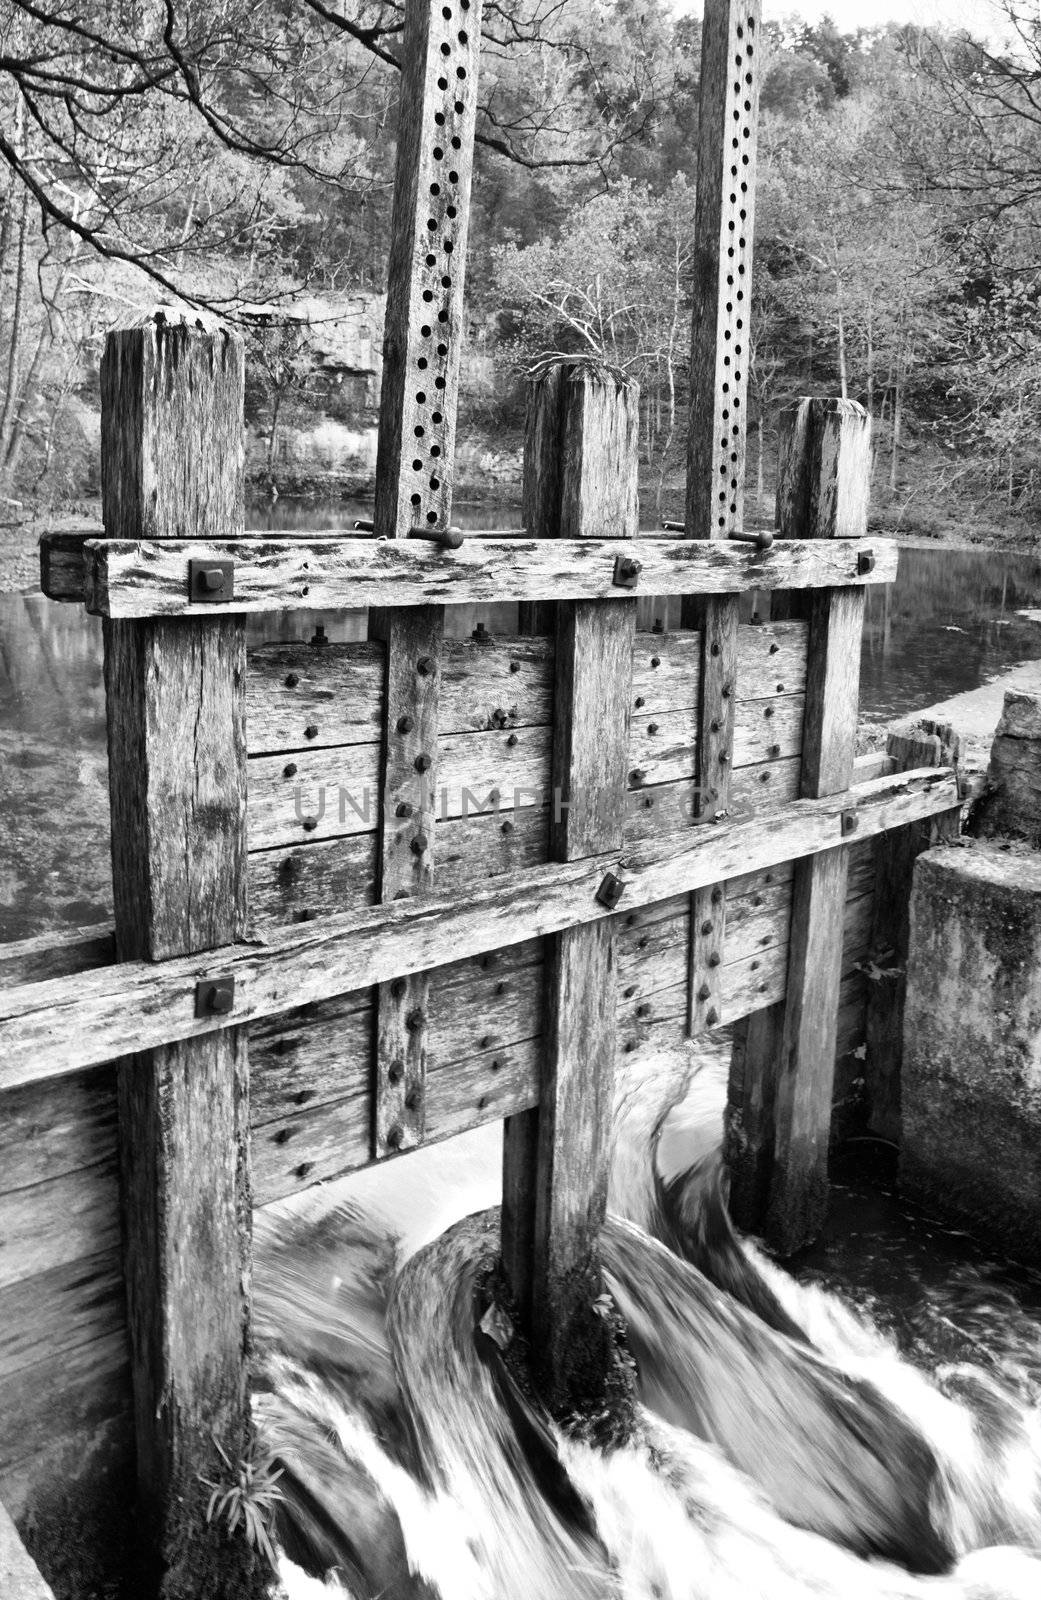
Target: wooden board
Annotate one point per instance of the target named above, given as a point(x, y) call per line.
point(128, 579)
point(48, 1028)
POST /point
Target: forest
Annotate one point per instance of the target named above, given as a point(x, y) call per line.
point(239, 158)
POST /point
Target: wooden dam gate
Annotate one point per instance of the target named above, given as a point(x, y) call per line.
point(371, 894)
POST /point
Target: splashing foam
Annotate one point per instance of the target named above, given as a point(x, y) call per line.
point(784, 1449)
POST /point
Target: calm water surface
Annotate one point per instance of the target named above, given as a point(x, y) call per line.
point(948, 624)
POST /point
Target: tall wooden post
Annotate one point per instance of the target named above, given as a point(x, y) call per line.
point(423, 342)
point(556, 1159)
point(172, 466)
point(823, 492)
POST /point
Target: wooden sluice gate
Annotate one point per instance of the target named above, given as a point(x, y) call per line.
point(370, 895)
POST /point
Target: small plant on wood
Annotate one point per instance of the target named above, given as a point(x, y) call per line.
point(250, 1499)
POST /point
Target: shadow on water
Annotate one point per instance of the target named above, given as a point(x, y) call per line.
point(948, 624)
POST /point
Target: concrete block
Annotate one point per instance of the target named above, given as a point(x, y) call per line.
point(1012, 803)
point(19, 1577)
point(971, 1090)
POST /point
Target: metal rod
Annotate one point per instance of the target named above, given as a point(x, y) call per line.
point(447, 538)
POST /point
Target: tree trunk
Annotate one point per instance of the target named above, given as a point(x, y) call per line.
point(898, 412)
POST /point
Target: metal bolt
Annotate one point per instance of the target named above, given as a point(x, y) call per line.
point(494, 796)
point(711, 1016)
point(311, 731)
point(706, 929)
point(774, 648)
point(850, 822)
point(501, 988)
point(291, 680)
point(704, 993)
point(310, 824)
point(425, 666)
point(656, 661)
point(723, 758)
point(714, 650)
point(764, 777)
point(780, 688)
point(610, 891)
point(637, 776)
point(422, 763)
point(447, 538)
point(715, 725)
point(481, 634)
point(643, 1009)
point(865, 563)
point(496, 1065)
point(394, 1137)
point(626, 572)
point(214, 997)
point(639, 701)
point(404, 808)
point(398, 988)
point(512, 740)
point(652, 727)
point(507, 827)
point(486, 1041)
point(628, 993)
point(769, 711)
point(405, 724)
point(413, 1100)
point(727, 690)
point(713, 959)
point(514, 666)
point(717, 897)
point(648, 802)
point(318, 637)
point(415, 1020)
point(289, 770)
point(775, 750)
point(396, 1071)
point(418, 844)
point(658, 626)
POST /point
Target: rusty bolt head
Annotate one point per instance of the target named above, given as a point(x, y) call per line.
point(723, 758)
point(610, 891)
point(769, 711)
point(425, 666)
point(415, 1020)
point(715, 725)
point(289, 770)
point(726, 691)
point(292, 679)
point(636, 776)
point(507, 826)
point(626, 572)
point(639, 701)
point(643, 1009)
point(405, 724)
point(494, 796)
point(311, 731)
point(713, 959)
point(310, 824)
point(395, 1136)
point(396, 1070)
point(404, 808)
point(704, 992)
point(652, 727)
point(774, 648)
point(398, 988)
point(648, 802)
point(214, 997)
point(659, 626)
point(717, 897)
point(413, 1100)
point(850, 822)
point(706, 929)
point(422, 763)
point(418, 844)
point(865, 563)
point(656, 661)
point(714, 649)
point(712, 1016)
point(514, 666)
point(512, 740)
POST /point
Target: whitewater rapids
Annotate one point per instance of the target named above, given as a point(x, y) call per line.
point(783, 1448)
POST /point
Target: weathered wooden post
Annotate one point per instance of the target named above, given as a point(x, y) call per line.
point(823, 488)
point(172, 467)
point(581, 472)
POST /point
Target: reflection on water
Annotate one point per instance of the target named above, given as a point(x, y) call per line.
point(949, 623)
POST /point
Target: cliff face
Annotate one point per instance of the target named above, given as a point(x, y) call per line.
point(312, 401)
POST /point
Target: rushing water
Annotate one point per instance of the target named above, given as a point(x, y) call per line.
point(785, 1445)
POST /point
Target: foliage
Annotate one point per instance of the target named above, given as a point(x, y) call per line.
point(250, 1500)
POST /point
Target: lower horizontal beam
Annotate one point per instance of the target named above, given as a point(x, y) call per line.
point(150, 578)
point(47, 1029)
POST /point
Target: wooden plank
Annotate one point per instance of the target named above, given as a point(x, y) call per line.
point(61, 1126)
point(50, 955)
point(58, 1221)
point(583, 479)
point(47, 1028)
point(177, 779)
point(839, 447)
point(895, 856)
point(148, 578)
point(61, 1309)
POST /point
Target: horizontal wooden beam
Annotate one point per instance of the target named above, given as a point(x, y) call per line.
point(47, 1029)
point(149, 578)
